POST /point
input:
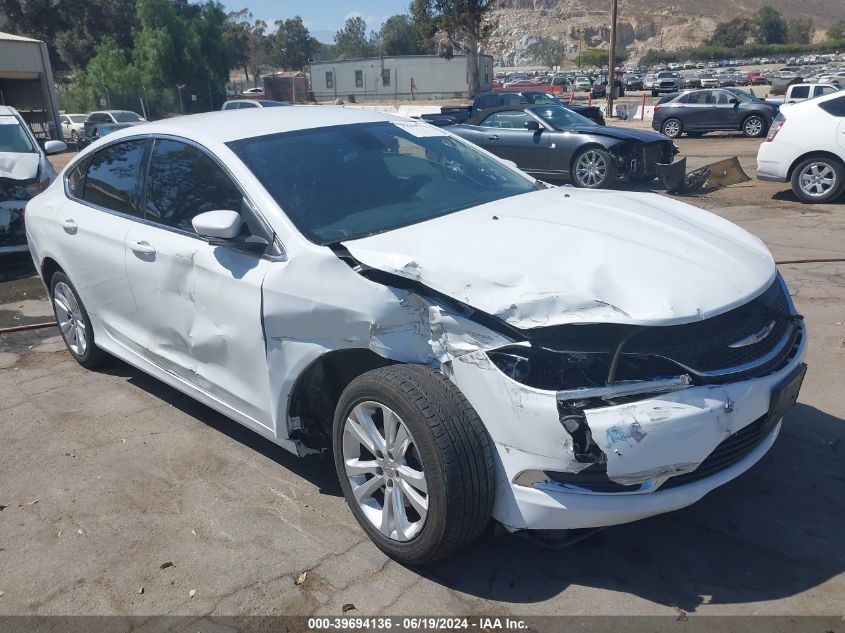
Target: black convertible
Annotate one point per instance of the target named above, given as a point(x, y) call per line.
point(549, 141)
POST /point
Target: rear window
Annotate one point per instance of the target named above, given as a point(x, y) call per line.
point(836, 107)
point(13, 136)
point(800, 92)
point(112, 176)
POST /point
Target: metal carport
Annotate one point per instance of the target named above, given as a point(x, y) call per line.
point(26, 84)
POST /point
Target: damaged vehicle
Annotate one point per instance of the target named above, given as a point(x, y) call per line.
point(552, 142)
point(465, 341)
point(24, 173)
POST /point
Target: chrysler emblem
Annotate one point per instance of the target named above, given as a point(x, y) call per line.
point(758, 336)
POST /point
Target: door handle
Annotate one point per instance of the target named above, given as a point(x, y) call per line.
point(143, 248)
point(69, 224)
point(493, 138)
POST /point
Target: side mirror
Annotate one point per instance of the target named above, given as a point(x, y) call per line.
point(532, 125)
point(218, 224)
point(54, 147)
point(509, 163)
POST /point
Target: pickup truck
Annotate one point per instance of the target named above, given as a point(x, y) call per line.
point(802, 92)
point(451, 115)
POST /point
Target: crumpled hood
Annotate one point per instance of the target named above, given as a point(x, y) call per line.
point(623, 134)
point(566, 255)
point(19, 166)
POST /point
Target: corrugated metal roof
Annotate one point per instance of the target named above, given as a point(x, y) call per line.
point(16, 38)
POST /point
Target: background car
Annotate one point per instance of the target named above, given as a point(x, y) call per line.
point(805, 148)
point(634, 82)
point(667, 82)
point(24, 173)
point(582, 84)
point(257, 91)
point(73, 126)
point(111, 116)
point(552, 142)
point(99, 130)
point(243, 104)
point(494, 99)
point(699, 111)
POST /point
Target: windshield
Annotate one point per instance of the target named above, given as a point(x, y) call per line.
point(561, 118)
point(77, 118)
point(349, 181)
point(13, 138)
point(126, 117)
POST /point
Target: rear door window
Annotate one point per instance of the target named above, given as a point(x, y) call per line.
point(836, 107)
point(112, 177)
point(800, 92)
point(182, 182)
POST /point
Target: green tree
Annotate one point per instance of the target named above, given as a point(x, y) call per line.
point(836, 31)
point(770, 27)
point(292, 45)
point(549, 51)
point(800, 31)
point(731, 34)
point(600, 57)
point(466, 24)
point(351, 41)
point(400, 36)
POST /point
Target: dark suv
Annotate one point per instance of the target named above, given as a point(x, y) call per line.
point(699, 111)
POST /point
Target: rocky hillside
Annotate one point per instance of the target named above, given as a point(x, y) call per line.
point(643, 24)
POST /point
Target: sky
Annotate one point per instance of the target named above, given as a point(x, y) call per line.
point(322, 17)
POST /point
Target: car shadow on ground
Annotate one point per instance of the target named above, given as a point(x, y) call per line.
point(318, 469)
point(767, 535)
point(16, 266)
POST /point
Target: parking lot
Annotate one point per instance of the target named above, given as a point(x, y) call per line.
point(122, 496)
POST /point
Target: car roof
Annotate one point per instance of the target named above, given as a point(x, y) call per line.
point(7, 110)
point(231, 125)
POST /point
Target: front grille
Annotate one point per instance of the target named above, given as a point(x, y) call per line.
point(705, 348)
point(732, 450)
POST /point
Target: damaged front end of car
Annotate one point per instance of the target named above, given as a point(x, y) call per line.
point(14, 194)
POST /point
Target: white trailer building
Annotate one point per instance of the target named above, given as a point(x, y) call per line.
point(26, 83)
point(398, 77)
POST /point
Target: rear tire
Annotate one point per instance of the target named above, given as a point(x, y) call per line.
point(818, 179)
point(447, 453)
point(74, 323)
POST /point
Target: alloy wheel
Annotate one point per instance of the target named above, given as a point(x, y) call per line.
point(591, 169)
point(817, 179)
point(754, 127)
point(385, 471)
point(69, 317)
point(672, 128)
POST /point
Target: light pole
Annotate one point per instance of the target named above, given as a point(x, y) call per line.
point(611, 68)
point(181, 107)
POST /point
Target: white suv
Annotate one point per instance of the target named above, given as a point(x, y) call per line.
point(806, 146)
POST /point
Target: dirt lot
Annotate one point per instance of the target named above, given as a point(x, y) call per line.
point(107, 476)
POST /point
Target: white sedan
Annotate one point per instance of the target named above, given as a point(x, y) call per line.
point(467, 342)
point(806, 147)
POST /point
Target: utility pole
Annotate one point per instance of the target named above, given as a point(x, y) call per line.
point(611, 67)
point(181, 107)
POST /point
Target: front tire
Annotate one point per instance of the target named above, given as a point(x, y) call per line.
point(74, 137)
point(754, 126)
point(818, 179)
point(74, 323)
point(672, 128)
point(414, 462)
point(593, 168)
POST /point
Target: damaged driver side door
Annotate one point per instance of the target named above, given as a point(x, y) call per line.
point(199, 304)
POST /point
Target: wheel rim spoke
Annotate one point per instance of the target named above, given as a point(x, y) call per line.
point(817, 179)
point(69, 317)
point(385, 471)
